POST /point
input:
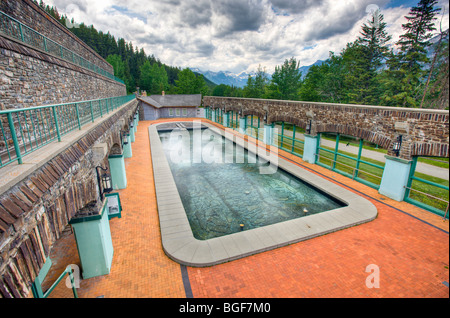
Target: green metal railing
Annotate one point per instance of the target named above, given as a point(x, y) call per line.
point(438, 202)
point(19, 31)
point(25, 130)
point(331, 159)
point(37, 289)
point(290, 143)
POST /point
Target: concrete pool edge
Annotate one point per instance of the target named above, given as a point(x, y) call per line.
point(180, 245)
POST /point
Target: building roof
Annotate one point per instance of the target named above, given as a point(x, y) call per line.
point(160, 101)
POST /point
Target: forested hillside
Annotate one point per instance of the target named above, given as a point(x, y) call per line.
point(132, 64)
point(369, 70)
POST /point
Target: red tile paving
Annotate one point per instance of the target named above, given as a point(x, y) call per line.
point(409, 245)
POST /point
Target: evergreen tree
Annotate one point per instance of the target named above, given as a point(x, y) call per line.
point(189, 83)
point(286, 81)
point(372, 51)
point(403, 79)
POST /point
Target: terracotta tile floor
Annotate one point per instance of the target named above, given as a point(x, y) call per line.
point(409, 245)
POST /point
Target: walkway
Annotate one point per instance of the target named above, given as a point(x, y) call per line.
point(409, 245)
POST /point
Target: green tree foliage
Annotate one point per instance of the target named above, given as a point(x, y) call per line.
point(403, 80)
point(227, 91)
point(286, 81)
point(256, 86)
point(189, 83)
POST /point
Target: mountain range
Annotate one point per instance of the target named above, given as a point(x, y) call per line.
point(239, 80)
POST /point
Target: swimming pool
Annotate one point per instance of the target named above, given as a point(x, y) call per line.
point(228, 196)
point(178, 239)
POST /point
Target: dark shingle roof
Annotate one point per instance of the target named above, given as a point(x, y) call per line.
point(159, 101)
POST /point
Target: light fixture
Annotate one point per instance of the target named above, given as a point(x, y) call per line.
point(308, 127)
point(124, 137)
point(104, 181)
point(397, 145)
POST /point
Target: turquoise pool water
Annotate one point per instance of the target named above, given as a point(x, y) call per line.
point(219, 197)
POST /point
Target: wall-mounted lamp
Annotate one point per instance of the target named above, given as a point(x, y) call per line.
point(124, 137)
point(104, 181)
point(308, 127)
point(397, 145)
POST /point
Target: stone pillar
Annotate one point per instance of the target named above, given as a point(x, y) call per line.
point(310, 148)
point(118, 173)
point(127, 152)
point(242, 125)
point(136, 120)
point(395, 178)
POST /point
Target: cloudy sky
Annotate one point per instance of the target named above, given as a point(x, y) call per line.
point(237, 35)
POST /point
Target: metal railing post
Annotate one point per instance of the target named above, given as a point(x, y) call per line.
point(92, 111)
point(72, 281)
point(56, 123)
point(14, 138)
point(78, 116)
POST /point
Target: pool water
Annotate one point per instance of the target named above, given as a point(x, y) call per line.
point(220, 197)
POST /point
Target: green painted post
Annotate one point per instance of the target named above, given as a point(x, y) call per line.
point(14, 138)
point(293, 138)
point(411, 175)
point(78, 116)
point(282, 133)
point(45, 44)
point(21, 33)
point(92, 111)
point(56, 123)
point(336, 149)
point(317, 147)
point(361, 142)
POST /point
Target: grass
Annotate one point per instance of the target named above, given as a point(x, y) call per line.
point(369, 174)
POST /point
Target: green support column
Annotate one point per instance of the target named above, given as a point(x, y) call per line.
point(226, 119)
point(268, 134)
point(395, 178)
point(94, 243)
point(118, 173)
point(127, 151)
point(310, 148)
point(132, 136)
point(243, 125)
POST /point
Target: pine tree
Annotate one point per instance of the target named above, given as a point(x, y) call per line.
point(286, 81)
point(373, 51)
point(407, 67)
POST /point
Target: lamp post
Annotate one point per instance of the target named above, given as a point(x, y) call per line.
point(397, 145)
point(308, 127)
point(103, 181)
point(124, 137)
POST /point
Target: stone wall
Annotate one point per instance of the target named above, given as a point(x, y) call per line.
point(30, 78)
point(35, 211)
point(425, 132)
point(30, 14)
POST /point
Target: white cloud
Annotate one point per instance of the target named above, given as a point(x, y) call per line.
point(234, 35)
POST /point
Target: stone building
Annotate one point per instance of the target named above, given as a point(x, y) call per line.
point(169, 106)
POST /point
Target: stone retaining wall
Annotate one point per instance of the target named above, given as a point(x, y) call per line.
point(30, 14)
point(35, 211)
point(425, 132)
